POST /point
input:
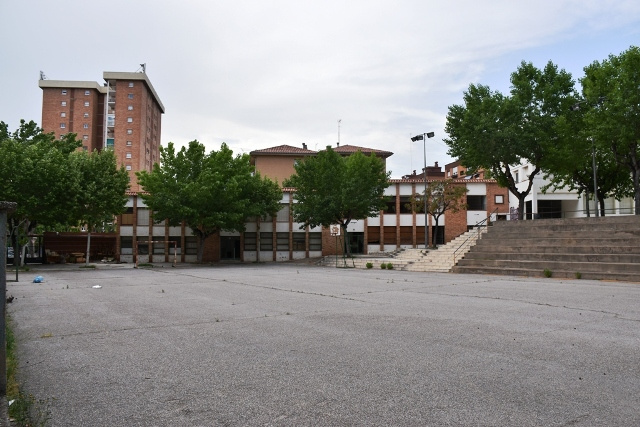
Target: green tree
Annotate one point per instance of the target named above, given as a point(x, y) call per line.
point(331, 189)
point(442, 196)
point(101, 190)
point(570, 162)
point(210, 192)
point(493, 132)
point(612, 85)
point(36, 174)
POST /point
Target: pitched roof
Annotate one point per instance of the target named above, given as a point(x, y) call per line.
point(283, 150)
point(350, 149)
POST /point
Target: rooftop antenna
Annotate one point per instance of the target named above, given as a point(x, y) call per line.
point(42, 76)
point(339, 121)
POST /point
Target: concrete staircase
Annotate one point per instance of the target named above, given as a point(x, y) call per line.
point(436, 260)
point(443, 258)
point(587, 248)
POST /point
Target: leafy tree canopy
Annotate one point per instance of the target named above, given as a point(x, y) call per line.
point(101, 189)
point(493, 131)
point(209, 192)
point(331, 189)
point(36, 174)
point(610, 89)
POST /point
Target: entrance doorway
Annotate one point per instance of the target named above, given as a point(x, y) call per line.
point(230, 248)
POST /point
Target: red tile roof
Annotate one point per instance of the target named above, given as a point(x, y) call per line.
point(283, 150)
point(350, 149)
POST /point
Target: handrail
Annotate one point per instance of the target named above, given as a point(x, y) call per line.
point(479, 226)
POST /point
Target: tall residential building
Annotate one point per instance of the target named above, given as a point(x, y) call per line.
point(123, 114)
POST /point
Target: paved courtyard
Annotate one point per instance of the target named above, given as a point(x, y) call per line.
point(297, 345)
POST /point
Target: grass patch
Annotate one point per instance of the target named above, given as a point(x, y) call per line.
point(25, 409)
point(578, 275)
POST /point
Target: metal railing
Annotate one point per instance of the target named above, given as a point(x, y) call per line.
point(477, 230)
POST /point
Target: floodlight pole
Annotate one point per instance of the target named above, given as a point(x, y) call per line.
point(424, 137)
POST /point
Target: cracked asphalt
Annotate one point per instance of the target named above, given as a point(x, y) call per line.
point(285, 344)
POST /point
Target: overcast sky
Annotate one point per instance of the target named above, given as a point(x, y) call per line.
point(257, 74)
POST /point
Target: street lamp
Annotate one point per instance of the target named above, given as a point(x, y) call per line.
point(576, 107)
point(423, 137)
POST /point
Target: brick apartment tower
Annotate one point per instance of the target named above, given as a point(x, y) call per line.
point(124, 114)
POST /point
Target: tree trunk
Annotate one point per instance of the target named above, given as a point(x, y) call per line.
point(201, 240)
point(636, 187)
point(86, 258)
point(346, 250)
point(521, 206)
point(258, 240)
point(434, 235)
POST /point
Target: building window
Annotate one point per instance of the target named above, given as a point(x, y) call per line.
point(128, 143)
point(128, 155)
point(86, 92)
point(129, 131)
point(191, 245)
point(283, 213)
point(128, 167)
point(143, 245)
point(64, 91)
point(129, 119)
point(63, 114)
point(130, 96)
point(299, 241)
point(63, 103)
point(249, 241)
point(476, 203)
point(315, 241)
point(282, 241)
point(143, 216)
point(86, 115)
point(130, 108)
point(405, 205)
point(499, 199)
point(86, 103)
point(126, 245)
point(266, 241)
point(85, 136)
point(127, 217)
point(85, 126)
point(517, 177)
point(130, 84)
point(63, 125)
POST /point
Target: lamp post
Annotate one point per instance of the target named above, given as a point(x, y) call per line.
point(576, 107)
point(423, 137)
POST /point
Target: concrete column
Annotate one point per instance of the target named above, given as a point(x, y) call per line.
point(5, 208)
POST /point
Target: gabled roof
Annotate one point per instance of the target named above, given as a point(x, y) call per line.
point(350, 149)
point(282, 150)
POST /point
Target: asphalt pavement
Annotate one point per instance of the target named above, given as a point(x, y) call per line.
point(286, 344)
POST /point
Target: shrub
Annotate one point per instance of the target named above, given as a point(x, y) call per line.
point(369, 265)
point(578, 275)
point(383, 266)
point(547, 272)
point(389, 266)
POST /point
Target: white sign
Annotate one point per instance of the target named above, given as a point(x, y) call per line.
point(335, 230)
